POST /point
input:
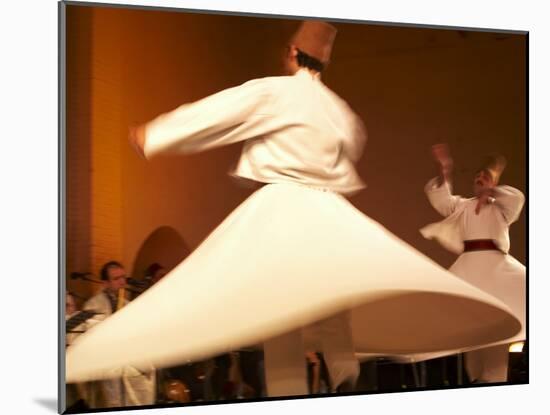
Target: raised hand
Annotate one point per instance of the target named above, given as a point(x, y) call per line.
point(442, 156)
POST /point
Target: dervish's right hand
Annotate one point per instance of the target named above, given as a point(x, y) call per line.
point(442, 156)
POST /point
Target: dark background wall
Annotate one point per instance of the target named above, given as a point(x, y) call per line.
point(413, 87)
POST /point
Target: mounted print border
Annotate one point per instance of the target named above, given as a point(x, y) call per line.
point(411, 86)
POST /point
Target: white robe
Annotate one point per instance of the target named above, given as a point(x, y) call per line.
point(292, 254)
point(296, 131)
point(495, 272)
point(461, 223)
point(500, 275)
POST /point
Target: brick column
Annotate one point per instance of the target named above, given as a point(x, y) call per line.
point(107, 134)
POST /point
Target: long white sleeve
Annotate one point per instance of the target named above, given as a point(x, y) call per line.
point(510, 201)
point(229, 116)
point(295, 130)
point(441, 198)
point(356, 146)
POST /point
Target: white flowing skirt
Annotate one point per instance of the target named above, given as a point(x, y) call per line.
point(500, 275)
point(497, 274)
point(287, 257)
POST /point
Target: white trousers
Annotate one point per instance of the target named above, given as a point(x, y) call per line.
point(285, 363)
point(488, 365)
point(131, 388)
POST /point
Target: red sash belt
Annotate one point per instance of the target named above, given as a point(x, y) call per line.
point(480, 245)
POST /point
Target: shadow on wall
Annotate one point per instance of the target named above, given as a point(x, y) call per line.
point(164, 246)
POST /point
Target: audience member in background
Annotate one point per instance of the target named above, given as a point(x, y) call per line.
point(129, 386)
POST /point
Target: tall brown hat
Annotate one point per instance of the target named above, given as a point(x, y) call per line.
point(495, 164)
point(315, 38)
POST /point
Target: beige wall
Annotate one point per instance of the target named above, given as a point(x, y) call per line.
point(418, 87)
point(412, 87)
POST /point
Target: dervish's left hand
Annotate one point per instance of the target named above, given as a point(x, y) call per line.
point(136, 137)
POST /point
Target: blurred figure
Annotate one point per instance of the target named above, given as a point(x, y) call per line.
point(70, 305)
point(236, 387)
point(128, 386)
point(331, 125)
point(107, 301)
point(477, 230)
point(151, 276)
point(319, 381)
point(154, 273)
point(76, 393)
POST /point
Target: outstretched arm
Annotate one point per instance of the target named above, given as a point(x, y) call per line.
point(229, 116)
point(136, 137)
